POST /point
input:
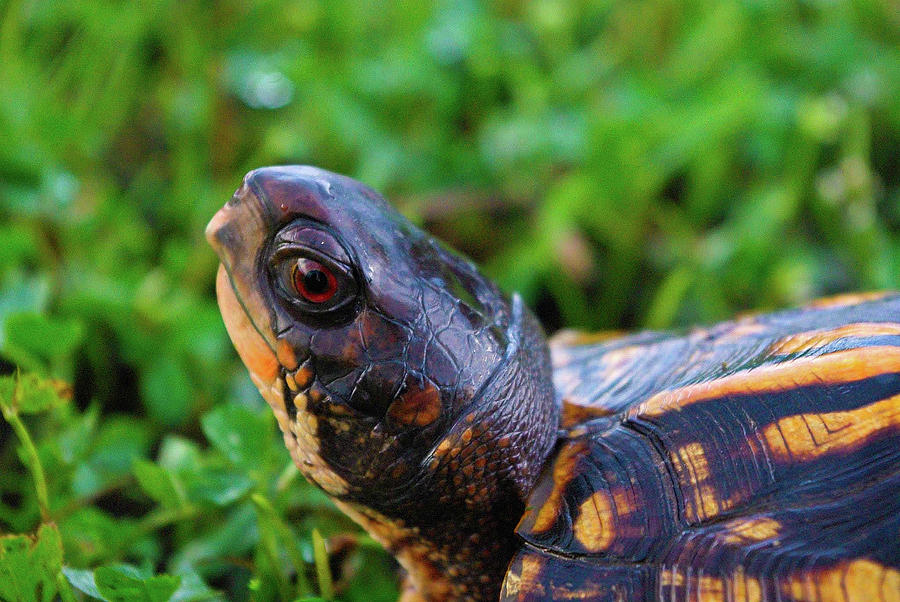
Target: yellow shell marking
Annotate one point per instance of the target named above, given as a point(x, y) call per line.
point(529, 574)
point(706, 502)
point(694, 458)
point(846, 299)
point(671, 577)
point(839, 367)
point(622, 501)
point(860, 580)
point(808, 436)
point(593, 527)
point(743, 530)
point(805, 341)
point(711, 589)
point(745, 589)
point(563, 473)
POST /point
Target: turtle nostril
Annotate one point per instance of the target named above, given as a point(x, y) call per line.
point(216, 226)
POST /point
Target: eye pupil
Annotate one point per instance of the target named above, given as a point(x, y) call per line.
point(315, 281)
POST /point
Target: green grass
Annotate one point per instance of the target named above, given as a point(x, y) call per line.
point(636, 164)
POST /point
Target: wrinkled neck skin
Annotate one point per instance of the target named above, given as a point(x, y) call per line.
point(452, 530)
point(451, 523)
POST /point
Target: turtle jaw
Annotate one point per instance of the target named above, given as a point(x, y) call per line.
point(232, 232)
point(282, 395)
point(252, 348)
point(236, 233)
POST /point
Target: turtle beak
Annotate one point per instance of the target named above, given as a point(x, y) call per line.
point(239, 228)
point(215, 230)
point(236, 233)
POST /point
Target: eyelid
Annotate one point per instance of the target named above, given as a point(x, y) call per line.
point(286, 250)
point(314, 239)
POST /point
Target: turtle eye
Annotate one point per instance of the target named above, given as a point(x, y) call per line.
point(311, 271)
point(313, 281)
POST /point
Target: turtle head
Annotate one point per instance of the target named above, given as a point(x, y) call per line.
point(391, 363)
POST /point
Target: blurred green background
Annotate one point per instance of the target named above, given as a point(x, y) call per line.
point(633, 164)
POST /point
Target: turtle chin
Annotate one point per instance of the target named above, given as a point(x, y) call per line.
point(280, 388)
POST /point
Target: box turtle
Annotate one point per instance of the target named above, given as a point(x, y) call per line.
point(757, 459)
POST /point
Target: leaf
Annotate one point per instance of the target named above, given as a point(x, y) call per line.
point(22, 294)
point(668, 298)
point(241, 435)
point(119, 442)
point(90, 535)
point(8, 393)
point(82, 580)
point(29, 564)
point(18, 245)
point(42, 336)
point(233, 535)
point(179, 454)
point(166, 390)
point(31, 394)
point(127, 583)
point(216, 485)
point(194, 589)
point(158, 483)
point(372, 578)
point(275, 535)
point(74, 440)
point(191, 589)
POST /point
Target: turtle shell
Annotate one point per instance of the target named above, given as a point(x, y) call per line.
point(757, 459)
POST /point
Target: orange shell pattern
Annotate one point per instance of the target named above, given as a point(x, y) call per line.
point(753, 460)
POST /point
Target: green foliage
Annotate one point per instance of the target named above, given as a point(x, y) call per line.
point(622, 164)
point(29, 566)
point(230, 498)
point(323, 572)
point(126, 582)
point(123, 582)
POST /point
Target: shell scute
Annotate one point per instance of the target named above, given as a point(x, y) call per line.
point(752, 460)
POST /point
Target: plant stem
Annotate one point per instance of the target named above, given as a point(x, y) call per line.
point(290, 541)
point(164, 516)
point(31, 453)
point(150, 522)
point(326, 587)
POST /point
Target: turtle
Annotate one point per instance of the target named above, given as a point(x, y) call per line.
point(755, 459)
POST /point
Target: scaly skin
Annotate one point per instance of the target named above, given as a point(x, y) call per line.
point(749, 460)
point(416, 394)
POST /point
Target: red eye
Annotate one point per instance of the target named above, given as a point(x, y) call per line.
point(313, 281)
